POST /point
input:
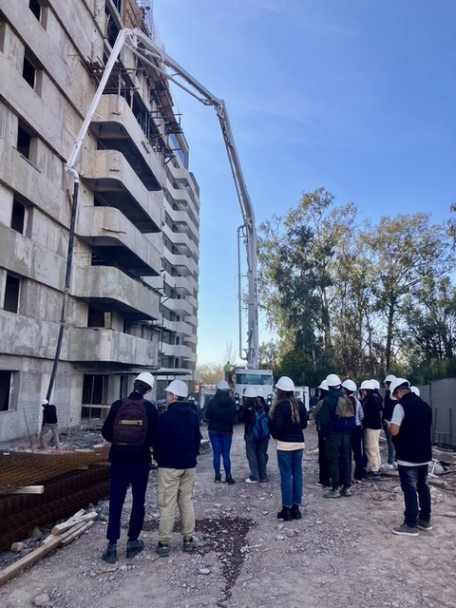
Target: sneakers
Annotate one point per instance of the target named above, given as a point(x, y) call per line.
point(387, 467)
point(345, 492)
point(332, 494)
point(229, 480)
point(265, 480)
point(162, 549)
point(134, 547)
point(295, 512)
point(109, 555)
point(218, 478)
point(189, 545)
point(405, 530)
point(249, 480)
point(285, 514)
point(424, 525)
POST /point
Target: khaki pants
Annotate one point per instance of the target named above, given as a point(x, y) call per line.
point(44, 439)
point(175, 486)
point(372, 447)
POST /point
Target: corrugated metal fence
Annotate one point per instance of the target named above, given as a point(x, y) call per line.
point(441, 396)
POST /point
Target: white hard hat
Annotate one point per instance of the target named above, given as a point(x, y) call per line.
point(389, 378)
point(223, 386)
point(333, 380)
point(250, 391)
point(178, 388)
point(324, 385)
point(44, 401)
point(285, 384)
point(415, 390)
point(349, 385)
point(367, 385)
point(376, 383)
point(395, 384)
point(147, 378)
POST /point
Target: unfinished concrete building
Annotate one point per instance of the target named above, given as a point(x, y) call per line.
point(133, 296)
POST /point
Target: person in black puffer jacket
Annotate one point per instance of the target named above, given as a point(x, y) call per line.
point(287, 419)
point(220, 415)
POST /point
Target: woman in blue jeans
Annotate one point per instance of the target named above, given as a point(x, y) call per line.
point(220, 415)
point(287, 419)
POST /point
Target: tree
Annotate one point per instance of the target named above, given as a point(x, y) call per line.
point(210, 373)
point(405, 250)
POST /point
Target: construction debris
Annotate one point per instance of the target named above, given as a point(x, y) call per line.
point(78, 526)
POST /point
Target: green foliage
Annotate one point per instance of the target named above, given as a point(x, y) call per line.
point(363, 300)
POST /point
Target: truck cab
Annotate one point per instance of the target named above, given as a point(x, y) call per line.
point(258, 378)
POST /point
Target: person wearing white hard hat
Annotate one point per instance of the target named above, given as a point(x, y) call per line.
point(177, 447)
point(323, 466)
point(50, 425)
point(372, 423)
point(256, 436)
point(356, 438)
point(220, 416)
point(337, 442)
point(287, 419)
point(388, 407)
point(130, 427)
point(410, 427)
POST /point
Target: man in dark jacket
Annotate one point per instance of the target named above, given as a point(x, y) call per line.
point(177, 447)
point(130, 465)
point(410, 427)
point(50, 425)
point(337, 444)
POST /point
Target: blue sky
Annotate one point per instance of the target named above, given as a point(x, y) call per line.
point(357, 96)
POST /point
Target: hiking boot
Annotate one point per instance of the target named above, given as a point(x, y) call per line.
point(229, 480)
point(134, 547)
point(424, 525)
point(162, 550)
point(405, 530)
point(189, 545)
point(285, 514)
point(109, 555)
point(295, 512)
point(345, 492)
point(249, 480)
point(332, 494)
point(218, 478)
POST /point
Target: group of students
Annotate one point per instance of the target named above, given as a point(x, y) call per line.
point(347, 426)
point(284, 420)
point(406, 420)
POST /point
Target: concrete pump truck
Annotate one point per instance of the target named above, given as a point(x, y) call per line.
point(149, 53)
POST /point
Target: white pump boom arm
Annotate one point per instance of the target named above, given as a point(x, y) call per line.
point(144, 47)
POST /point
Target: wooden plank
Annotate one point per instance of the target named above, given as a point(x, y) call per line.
point(66, 525)
point(28, 560)
point(78, 531)
point(37, 489)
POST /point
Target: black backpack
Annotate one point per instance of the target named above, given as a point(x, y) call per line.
point(130, 424)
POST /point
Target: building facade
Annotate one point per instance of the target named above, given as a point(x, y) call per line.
point(131, 301)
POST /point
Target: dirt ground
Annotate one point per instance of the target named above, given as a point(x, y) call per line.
point(341, 554)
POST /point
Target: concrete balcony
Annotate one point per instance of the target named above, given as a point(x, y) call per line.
point(182, 218)
point(183, 199)
point(117, 129)
point(113, 235)
point(27, 337)
point(106, 345)
point(29, 259)
point(179, 306)
point(111, 177)
point(176, 350)
point(181, 260)
point(183, 177)
point(181, 239)
point(190, 339)
point(183, 285)
point(113, 291)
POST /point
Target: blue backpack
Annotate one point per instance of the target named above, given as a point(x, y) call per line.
point(261, 429)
